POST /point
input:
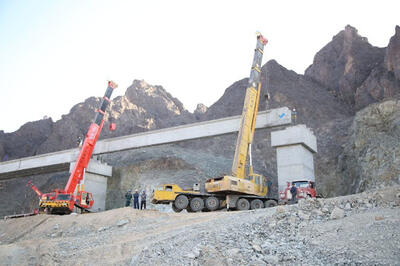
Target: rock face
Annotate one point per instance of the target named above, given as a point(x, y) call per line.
point(384, 80)
point(158, 108)
point(392, 59)
point(65, 132)
point(143, 107)
point(357, 72)
point(371, 156)
point(24, 141)
point(345, 63)
point(201, 109)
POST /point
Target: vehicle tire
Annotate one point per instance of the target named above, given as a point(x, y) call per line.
point(212, 203)
point(188, 209)
point(270, 203)
point(175, 209)
point(256, 204)
point(196, 204)
point(243, 204)
point(181, 202)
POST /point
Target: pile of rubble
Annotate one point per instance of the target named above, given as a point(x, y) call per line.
point(356, 229)
point(304, 233)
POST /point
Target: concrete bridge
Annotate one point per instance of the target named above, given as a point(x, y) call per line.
point(61, 160)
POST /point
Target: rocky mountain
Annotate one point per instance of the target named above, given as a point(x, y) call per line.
point(334, 98)
point(143, 107)
point(356, 71)
point(25, 140)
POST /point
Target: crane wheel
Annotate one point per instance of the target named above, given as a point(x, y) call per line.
point(188, 209)
point(212, 203)
point(181, 202)
point(175, 209)
point(243, 204)
point(270, 203)
point(256, 204)
point(196, 204)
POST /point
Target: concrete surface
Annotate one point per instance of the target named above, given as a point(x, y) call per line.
point(41, 163)
point(294, 151)
point(97, 185)
point(95, 181)
point(298, 134)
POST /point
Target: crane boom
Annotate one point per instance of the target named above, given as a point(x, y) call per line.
point(63, 201)
point(249, 113)
point(90, 141)
point(241, 190)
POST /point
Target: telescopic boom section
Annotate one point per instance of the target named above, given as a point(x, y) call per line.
point(249, 114)
point(90, 141)
point(34, 188)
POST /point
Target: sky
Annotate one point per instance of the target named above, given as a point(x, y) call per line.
point(55, 54)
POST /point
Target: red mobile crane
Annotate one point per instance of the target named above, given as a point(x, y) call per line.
point(62, 201)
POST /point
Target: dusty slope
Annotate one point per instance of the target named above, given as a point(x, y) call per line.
point(357, 229)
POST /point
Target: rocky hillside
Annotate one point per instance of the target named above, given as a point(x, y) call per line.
point(371, 157)
point(334, 98)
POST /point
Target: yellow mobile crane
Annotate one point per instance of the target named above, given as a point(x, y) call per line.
point(243, 190)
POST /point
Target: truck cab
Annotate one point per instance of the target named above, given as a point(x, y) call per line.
point(305, 189)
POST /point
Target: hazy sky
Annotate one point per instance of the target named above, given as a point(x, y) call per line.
point(55, 54)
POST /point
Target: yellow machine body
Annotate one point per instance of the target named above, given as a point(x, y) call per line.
point(168, 192)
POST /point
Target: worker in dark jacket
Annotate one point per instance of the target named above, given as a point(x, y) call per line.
point(128, 198)
point(143, 200)
point(136, 200)
point(293, 191)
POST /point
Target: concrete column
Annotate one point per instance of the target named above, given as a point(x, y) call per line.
point(295, 147)
point(95, 181)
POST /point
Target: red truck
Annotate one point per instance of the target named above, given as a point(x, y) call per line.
point(305, 189)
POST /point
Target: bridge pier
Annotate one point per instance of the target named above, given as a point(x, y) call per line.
point(295, 147)
point(95, 181)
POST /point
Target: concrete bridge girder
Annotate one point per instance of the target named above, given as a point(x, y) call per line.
point(61, 159)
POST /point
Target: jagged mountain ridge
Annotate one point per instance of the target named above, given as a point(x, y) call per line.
point(143, 107)
point(346, 75)
point(357, 72)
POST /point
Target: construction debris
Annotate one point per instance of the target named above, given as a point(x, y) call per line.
point(304, 233)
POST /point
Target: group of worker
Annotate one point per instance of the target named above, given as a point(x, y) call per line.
point(135, 196)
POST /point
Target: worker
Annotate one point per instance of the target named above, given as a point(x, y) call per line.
point(293, 191)
point(136, 200)
point(143, 200)
point(294, 115)
point(269, 186)
point(128, 198)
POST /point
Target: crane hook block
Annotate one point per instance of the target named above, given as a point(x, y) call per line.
point(112, 84)
point(261, 38)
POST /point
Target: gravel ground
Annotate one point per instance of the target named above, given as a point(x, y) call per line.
point(360, 229)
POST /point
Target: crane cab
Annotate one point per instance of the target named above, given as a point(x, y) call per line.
point(84, 199)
